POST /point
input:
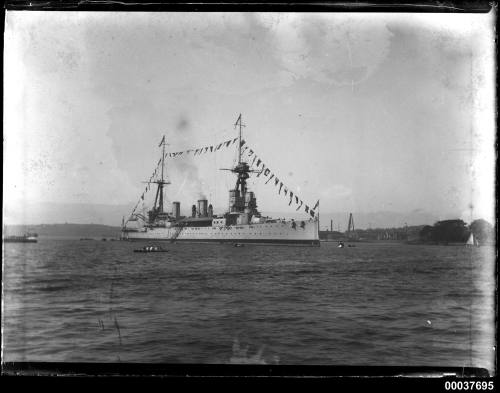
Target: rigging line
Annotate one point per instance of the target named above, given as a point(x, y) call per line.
point(255, 152)
point(202, 149)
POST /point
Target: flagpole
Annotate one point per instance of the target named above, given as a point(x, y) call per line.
point(318, 220)
point(162, 156)
point(239, 145)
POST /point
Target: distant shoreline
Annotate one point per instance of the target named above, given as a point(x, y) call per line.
point(66, 230)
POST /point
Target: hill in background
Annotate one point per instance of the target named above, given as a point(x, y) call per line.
point(51, 213)
point(65, 230)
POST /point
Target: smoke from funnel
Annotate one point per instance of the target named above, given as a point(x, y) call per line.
point(184, 169)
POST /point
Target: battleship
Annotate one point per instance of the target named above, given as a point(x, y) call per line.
point(242, 223)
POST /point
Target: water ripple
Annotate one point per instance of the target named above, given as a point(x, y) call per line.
point(374, 304)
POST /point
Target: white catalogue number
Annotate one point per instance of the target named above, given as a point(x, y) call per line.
point(468, 385)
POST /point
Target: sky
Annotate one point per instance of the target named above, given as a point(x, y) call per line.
point(365, 112)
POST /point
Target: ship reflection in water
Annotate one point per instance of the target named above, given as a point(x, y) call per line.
point(243, 223)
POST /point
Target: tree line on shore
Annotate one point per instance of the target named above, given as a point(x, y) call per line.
point(442, 232)
point(457, 231)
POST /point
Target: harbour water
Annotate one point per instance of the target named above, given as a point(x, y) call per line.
point(374, 304)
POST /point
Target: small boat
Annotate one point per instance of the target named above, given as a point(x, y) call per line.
point(238, 245)
point(471, 242)
point(150, 249)
point(351, 245)
point(341, 245)
point(26, 238)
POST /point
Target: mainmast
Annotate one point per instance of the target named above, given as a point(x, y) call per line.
point(242, 170)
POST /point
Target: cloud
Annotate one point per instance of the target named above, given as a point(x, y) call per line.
point(328, 50)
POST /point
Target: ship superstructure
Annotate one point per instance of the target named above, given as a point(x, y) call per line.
point(242, 223)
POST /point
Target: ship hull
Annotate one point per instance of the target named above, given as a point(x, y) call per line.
point(281, 233)
point(248, 241)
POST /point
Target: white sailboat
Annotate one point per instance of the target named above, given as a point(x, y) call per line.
point(471, 241)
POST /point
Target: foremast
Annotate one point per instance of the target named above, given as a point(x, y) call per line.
point(158, 212)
